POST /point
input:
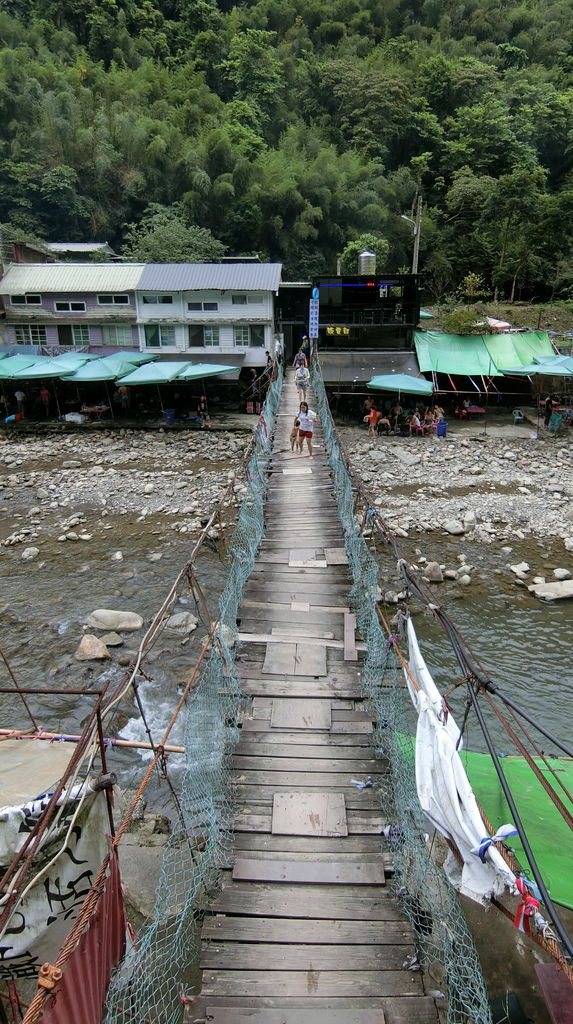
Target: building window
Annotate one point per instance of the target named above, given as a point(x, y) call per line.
point(113, 300)
point(159, 335)
point(211, 335)
point(242, 300)
point(26, 300)
point(200, 335)
point(69, 307)
point(241, 336)
point(239, 300)
point(30, 334)
point(117, 334)
point(157, 300)
point(208, 307)
point(80, 334)
point(253, 337)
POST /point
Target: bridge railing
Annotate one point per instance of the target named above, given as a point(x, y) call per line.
point(445, 948)
point(159, 967)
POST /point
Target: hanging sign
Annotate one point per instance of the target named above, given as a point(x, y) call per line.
point(313, 318)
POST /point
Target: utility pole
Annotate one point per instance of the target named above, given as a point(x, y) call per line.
point(416, 222)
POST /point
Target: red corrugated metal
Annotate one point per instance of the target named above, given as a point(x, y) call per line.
point(80, 996)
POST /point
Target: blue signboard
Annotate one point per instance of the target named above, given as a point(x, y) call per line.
point(313, 318)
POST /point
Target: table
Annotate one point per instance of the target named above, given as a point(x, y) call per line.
point(97, 411)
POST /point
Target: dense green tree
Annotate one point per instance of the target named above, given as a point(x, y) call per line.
point(162, 236)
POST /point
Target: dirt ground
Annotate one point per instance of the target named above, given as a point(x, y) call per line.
point(543, 317)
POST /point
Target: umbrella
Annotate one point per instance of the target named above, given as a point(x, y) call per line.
point(426, 315)
point(45, 366)
point(109, 367)
point(402, 383)
point(204, 370)
point(155, 373)
point(10, 366)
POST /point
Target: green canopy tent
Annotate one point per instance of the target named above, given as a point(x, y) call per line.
point(109, 368)
point(199, 370)
point(10, 366)
point(517, 349)
point(46, 367)
point(403, 383)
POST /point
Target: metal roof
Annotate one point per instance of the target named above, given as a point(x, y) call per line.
point(70, 278)
point(177, 277)
point(358, 367)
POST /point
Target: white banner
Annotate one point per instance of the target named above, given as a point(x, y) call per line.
point(42, 919)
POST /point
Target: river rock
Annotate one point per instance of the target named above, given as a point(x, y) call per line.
point(29, 554)
point(112, 640)
point(454, 527)
point(107, 618)
point(560, 574)
point(434, 573)
point(553, 591)
point(405, 456)
point(91, 648)
point(465, 580)
point(181, 623)
point(520, 569)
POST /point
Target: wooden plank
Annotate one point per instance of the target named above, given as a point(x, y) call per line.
point(269, 639)
point(280, 658)
point(319, 902)
point(311, 658)
point(350, 727)
point(350, 652)
point(297, 471)
point(331, 1010)
point(236, 1015)
point(325, 872)
point(286, 957)
point(300, 612)
point(359, 766)
point(259, 798)
point(281, 688)
point(298, 606)
point(308, 814)
point(336, 556)
point(320, 739)
point(285, 929)
point(315, 983)
point(301, 630)
point(307, 844)
point(326, 780)
point(309, 563)
point(257, 748)
point(301, 714)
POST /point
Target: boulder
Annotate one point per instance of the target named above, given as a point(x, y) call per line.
point(560, 574)
point(29, 554)
point(107, 618)
point(433, 572)
point(91, 648)
point(406, 457)
point(553, 591)
point(454, 527)
point(181, 623)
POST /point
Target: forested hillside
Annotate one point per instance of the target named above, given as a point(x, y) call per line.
point(290, 128)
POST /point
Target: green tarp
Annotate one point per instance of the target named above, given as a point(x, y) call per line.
point(452, 353)
point(109, 367)
point(548, 833)
point(45, 366)
point(402, 383)
point(480, 354)
point(517, 349)
point(155, 373)
point(11, 366)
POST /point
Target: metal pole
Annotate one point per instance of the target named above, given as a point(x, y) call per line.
point(417, 228)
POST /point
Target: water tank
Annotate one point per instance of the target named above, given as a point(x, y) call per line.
point(366, 263)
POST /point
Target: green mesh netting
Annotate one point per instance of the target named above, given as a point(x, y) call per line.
point(147, 987)
point(444, 944)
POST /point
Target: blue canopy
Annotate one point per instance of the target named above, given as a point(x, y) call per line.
point(402, 382)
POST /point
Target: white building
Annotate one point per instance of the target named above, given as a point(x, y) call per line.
point(208, 309)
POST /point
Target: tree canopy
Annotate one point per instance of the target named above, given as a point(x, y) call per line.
point(173, 127)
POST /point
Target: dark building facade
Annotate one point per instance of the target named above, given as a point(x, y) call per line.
point(375, 312)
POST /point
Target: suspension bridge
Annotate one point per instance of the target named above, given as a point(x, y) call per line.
point(297, 884)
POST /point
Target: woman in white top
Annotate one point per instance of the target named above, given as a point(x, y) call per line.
point(306, 418)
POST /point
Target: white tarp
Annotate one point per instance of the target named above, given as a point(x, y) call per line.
point(77, 845)
point(444, 791)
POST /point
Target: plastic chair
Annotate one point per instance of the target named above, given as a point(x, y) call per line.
point(518, 416)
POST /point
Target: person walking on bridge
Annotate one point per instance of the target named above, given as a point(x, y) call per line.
point(306, 419)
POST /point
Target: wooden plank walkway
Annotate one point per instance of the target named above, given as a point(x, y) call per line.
point(304, 930)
